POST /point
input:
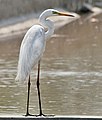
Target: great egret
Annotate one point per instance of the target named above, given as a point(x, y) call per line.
point(32, 49)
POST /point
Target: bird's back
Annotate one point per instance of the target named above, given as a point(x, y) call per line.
point(31, 50)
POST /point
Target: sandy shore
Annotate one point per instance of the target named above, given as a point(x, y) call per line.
point(18, 26)
point(22, 26)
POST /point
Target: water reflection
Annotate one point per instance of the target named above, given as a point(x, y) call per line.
point(70, 77)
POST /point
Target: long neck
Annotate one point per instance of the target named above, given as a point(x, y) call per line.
point(47, 23)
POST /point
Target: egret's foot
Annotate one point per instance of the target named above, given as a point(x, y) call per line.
point(27, 114)
point(39, 115)
point(43, 115)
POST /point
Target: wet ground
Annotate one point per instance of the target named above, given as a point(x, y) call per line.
point(71, 73)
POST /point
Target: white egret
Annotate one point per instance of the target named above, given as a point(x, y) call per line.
point(32, 49)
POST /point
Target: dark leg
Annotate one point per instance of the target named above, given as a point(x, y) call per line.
point(27, 113)
point(39, 97)
point(40, 107)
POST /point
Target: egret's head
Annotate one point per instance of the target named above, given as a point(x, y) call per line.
point(52, 12)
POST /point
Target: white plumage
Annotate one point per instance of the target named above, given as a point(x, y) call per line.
point(31, 50)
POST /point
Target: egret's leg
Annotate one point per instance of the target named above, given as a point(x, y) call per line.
point(27, 112)
point(39, 97)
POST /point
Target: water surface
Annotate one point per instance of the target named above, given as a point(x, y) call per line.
point(71, 73)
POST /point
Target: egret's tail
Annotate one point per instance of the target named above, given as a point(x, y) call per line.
point(20, 77)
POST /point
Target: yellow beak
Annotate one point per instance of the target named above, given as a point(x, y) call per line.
point(65, 14)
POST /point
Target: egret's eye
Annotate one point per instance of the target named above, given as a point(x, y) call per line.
point(54, 12)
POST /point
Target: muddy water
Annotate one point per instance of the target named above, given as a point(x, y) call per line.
point(71, 73)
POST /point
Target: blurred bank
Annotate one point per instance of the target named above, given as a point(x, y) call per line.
point(17, 16)
point(14, 8)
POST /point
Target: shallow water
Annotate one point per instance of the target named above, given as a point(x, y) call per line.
point(71, 73)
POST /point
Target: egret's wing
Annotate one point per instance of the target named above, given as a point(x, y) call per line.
point(31, 50)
